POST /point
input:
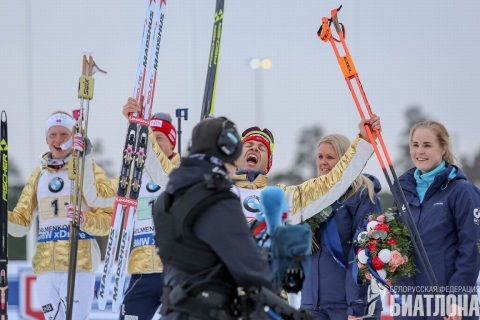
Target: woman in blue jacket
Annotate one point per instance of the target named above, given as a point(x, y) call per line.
point(446, 211)
point(329, 291)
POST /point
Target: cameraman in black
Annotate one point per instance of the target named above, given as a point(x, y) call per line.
point(201, 233)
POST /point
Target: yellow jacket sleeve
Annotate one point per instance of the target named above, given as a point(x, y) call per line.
point(98, 190)
point(97, 221)
point(314, 195)
point(21, 217)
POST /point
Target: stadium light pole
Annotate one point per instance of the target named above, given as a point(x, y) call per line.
point(258, 66)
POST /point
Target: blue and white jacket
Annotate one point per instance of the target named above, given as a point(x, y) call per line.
point(448, 221)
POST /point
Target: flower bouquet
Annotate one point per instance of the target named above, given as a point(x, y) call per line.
point(383, 249)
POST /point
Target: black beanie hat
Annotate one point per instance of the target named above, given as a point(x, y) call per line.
point(217, 137)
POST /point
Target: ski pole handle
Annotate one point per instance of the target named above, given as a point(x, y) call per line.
point(335, 19)
point(78, 142)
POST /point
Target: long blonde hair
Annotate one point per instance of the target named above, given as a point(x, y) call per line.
point(442, 135)
point(340, 144)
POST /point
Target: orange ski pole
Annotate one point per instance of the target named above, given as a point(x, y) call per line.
point(349, 72)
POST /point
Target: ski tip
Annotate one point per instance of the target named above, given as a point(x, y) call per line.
point(4, 116)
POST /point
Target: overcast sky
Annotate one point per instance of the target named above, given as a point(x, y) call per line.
point(406, 53)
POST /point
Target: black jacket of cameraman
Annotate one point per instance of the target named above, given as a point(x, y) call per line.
point(222, 225)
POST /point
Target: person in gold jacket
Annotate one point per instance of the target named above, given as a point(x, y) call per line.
point(309, 197)
point(142, 297)
point(47, 195)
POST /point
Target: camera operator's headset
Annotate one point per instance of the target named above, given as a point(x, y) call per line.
point(229, 142)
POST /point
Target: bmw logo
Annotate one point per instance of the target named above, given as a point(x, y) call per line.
point(152, 187)
point(55, 185)
point(252, 204)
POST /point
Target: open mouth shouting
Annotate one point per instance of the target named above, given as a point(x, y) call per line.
point(252, 159)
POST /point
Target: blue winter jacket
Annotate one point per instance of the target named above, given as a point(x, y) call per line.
point(328, 284)
point(448, 221)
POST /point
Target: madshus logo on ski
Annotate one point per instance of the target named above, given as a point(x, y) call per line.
point(55, 185)
point(252, 204)
point(152, 187)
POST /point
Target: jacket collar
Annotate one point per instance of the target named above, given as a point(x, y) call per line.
point(441, 181)
point(250, 179)
point(46, 162)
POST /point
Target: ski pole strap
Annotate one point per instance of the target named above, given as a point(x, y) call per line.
point(61, 234)
point(332, 242)
point(325, 33)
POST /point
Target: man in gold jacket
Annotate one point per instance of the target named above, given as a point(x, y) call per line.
point(309, 197)
point(142, 297)
point(47, 195)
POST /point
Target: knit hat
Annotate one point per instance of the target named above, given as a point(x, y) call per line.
point(264, 136)
point(163, 122)
point(59, 119)
point(217, 137)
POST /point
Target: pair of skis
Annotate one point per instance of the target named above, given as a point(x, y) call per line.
point(134, 155)
point(350, 73)
point(3, 217)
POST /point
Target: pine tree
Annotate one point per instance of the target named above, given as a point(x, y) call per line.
point(305, 166)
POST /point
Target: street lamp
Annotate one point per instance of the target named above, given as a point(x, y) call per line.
point(257, 65)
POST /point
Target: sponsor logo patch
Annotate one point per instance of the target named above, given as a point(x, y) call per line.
point(252, 204)
point(55, 185)
point(152, 187)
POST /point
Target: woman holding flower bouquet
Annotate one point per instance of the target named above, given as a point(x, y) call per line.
point(446, 211)
point(329, 291)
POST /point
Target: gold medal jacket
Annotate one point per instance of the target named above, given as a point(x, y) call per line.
point(144, 258)
point(46, 195)
point(314, 195)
